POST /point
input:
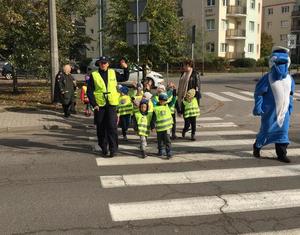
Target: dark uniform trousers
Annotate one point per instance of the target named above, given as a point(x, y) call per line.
point(107, 133)
point(190, 121)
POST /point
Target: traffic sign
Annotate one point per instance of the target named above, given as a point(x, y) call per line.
point(291, 41)
point(141, 7)
point(131, 33)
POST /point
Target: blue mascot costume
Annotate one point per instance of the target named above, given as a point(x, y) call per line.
point(274, 103)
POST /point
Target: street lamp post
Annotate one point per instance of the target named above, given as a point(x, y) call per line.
point(53, 44)
point(100, 16)
point(138, 38)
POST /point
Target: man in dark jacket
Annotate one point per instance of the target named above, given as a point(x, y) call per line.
point(104, 97)
point(66, 88)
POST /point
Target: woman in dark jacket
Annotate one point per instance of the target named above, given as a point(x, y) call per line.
point(190, 79)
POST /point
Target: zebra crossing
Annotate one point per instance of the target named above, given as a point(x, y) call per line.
point(239, 148)
point(228, 96)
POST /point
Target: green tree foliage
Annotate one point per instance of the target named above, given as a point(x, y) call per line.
point(166, 31)
point(24, 34)
point(266, 44)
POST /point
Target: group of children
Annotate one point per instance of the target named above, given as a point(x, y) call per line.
point(147, 113)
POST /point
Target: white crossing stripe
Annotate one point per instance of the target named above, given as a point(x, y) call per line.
point(207, 205)
point(295, 231)
point(184, 158)
point(217, 97)
point(229, 93)
point(191, 177)
point(247, 93)
point(217, 125)
point(215, 143)
point(220, 133)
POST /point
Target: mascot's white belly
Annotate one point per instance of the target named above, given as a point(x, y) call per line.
point(281, 91)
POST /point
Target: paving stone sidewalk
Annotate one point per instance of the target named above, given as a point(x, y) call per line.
point(24, 120)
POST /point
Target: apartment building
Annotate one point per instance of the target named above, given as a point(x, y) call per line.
point(295, 29)
point(232, 27)
point(277, 19)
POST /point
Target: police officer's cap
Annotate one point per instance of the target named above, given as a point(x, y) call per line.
point(102, 59)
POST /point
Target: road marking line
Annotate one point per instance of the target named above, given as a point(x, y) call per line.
point(215, 143)
point(192, 177)
point(220, 133)
point(207, 205)
point(217, 97)
point(188, 157)
point(229, 93)
point(247, 93)
point(295, 231)
point(217, 124)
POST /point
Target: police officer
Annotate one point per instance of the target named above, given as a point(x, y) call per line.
point(104, 97)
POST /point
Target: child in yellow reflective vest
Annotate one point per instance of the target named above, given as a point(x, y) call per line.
point(124, 110)
point(142, 125)
point(190, 110)
point(163, 120)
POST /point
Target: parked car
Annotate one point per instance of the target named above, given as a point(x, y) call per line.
point(135, 71)
point(7, 70)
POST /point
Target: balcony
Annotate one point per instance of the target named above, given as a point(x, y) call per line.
point(236, 11)
point(235, 34)
point(296, 13)
point(234, 55)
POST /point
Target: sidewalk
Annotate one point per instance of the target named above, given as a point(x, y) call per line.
point(17, 120)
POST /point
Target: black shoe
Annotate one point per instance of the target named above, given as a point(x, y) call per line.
point(125, 138)
point(104, 153)
point(256, 151)
point(284, 159)
point(173, 137)
point(160, 153)
point(169, 155)
point(183, 133)
point(193, 138)
point(144, 155)
point(112, 154)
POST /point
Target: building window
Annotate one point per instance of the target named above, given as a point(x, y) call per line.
point(92, 31)
point(283, 37)
point(252, 4)
point(270, 11)
point(258, 26)
point(224, 24)
point(258, 7)
point(210, 3)
point(250, 47)
point(257, 48)
point(93, 49)
point(210, 25)
point(225, 2)
point(285, 9)
point(284, 24)
point(251, 26)
point(224, 47)
point(269, 24)
point(210, 47)
point(238, 2)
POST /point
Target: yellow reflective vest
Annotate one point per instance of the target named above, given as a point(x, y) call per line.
point(164, 120)
point(125, 106)
point(100, 88)
point(143, 124)
point(191, 109)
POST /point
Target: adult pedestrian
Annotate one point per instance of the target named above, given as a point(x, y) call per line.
point(104, 97)
point(66, 87)
point(274, 103)
point(190, 79)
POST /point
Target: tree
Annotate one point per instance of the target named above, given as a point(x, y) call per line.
point(167, 35)
point(24, 34)
point(266, 44)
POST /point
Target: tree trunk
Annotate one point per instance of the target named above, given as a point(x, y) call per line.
point(15, 84)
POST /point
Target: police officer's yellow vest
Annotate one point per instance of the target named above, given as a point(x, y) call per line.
point(143, 124)
point(164, 120)
point(125, 106)
point(191, 109)
point(100, 88)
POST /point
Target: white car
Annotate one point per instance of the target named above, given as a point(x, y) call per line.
point(135, 72)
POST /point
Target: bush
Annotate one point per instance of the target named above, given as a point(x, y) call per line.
point(244, 63)
point(220, 63)
point(263, 62)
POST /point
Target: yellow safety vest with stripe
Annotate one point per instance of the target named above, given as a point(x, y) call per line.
point(143, 124)
point(125, 106)
point(164, 120)
point(191, 109)
point(136, 108)
point(150, 110)
point(111, 89)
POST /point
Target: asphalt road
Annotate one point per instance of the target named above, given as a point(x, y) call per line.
point(53, 182)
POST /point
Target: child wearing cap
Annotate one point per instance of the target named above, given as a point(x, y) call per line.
point(162, 118)
point(124, 110)
point(191, 111)
point(142, 123)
